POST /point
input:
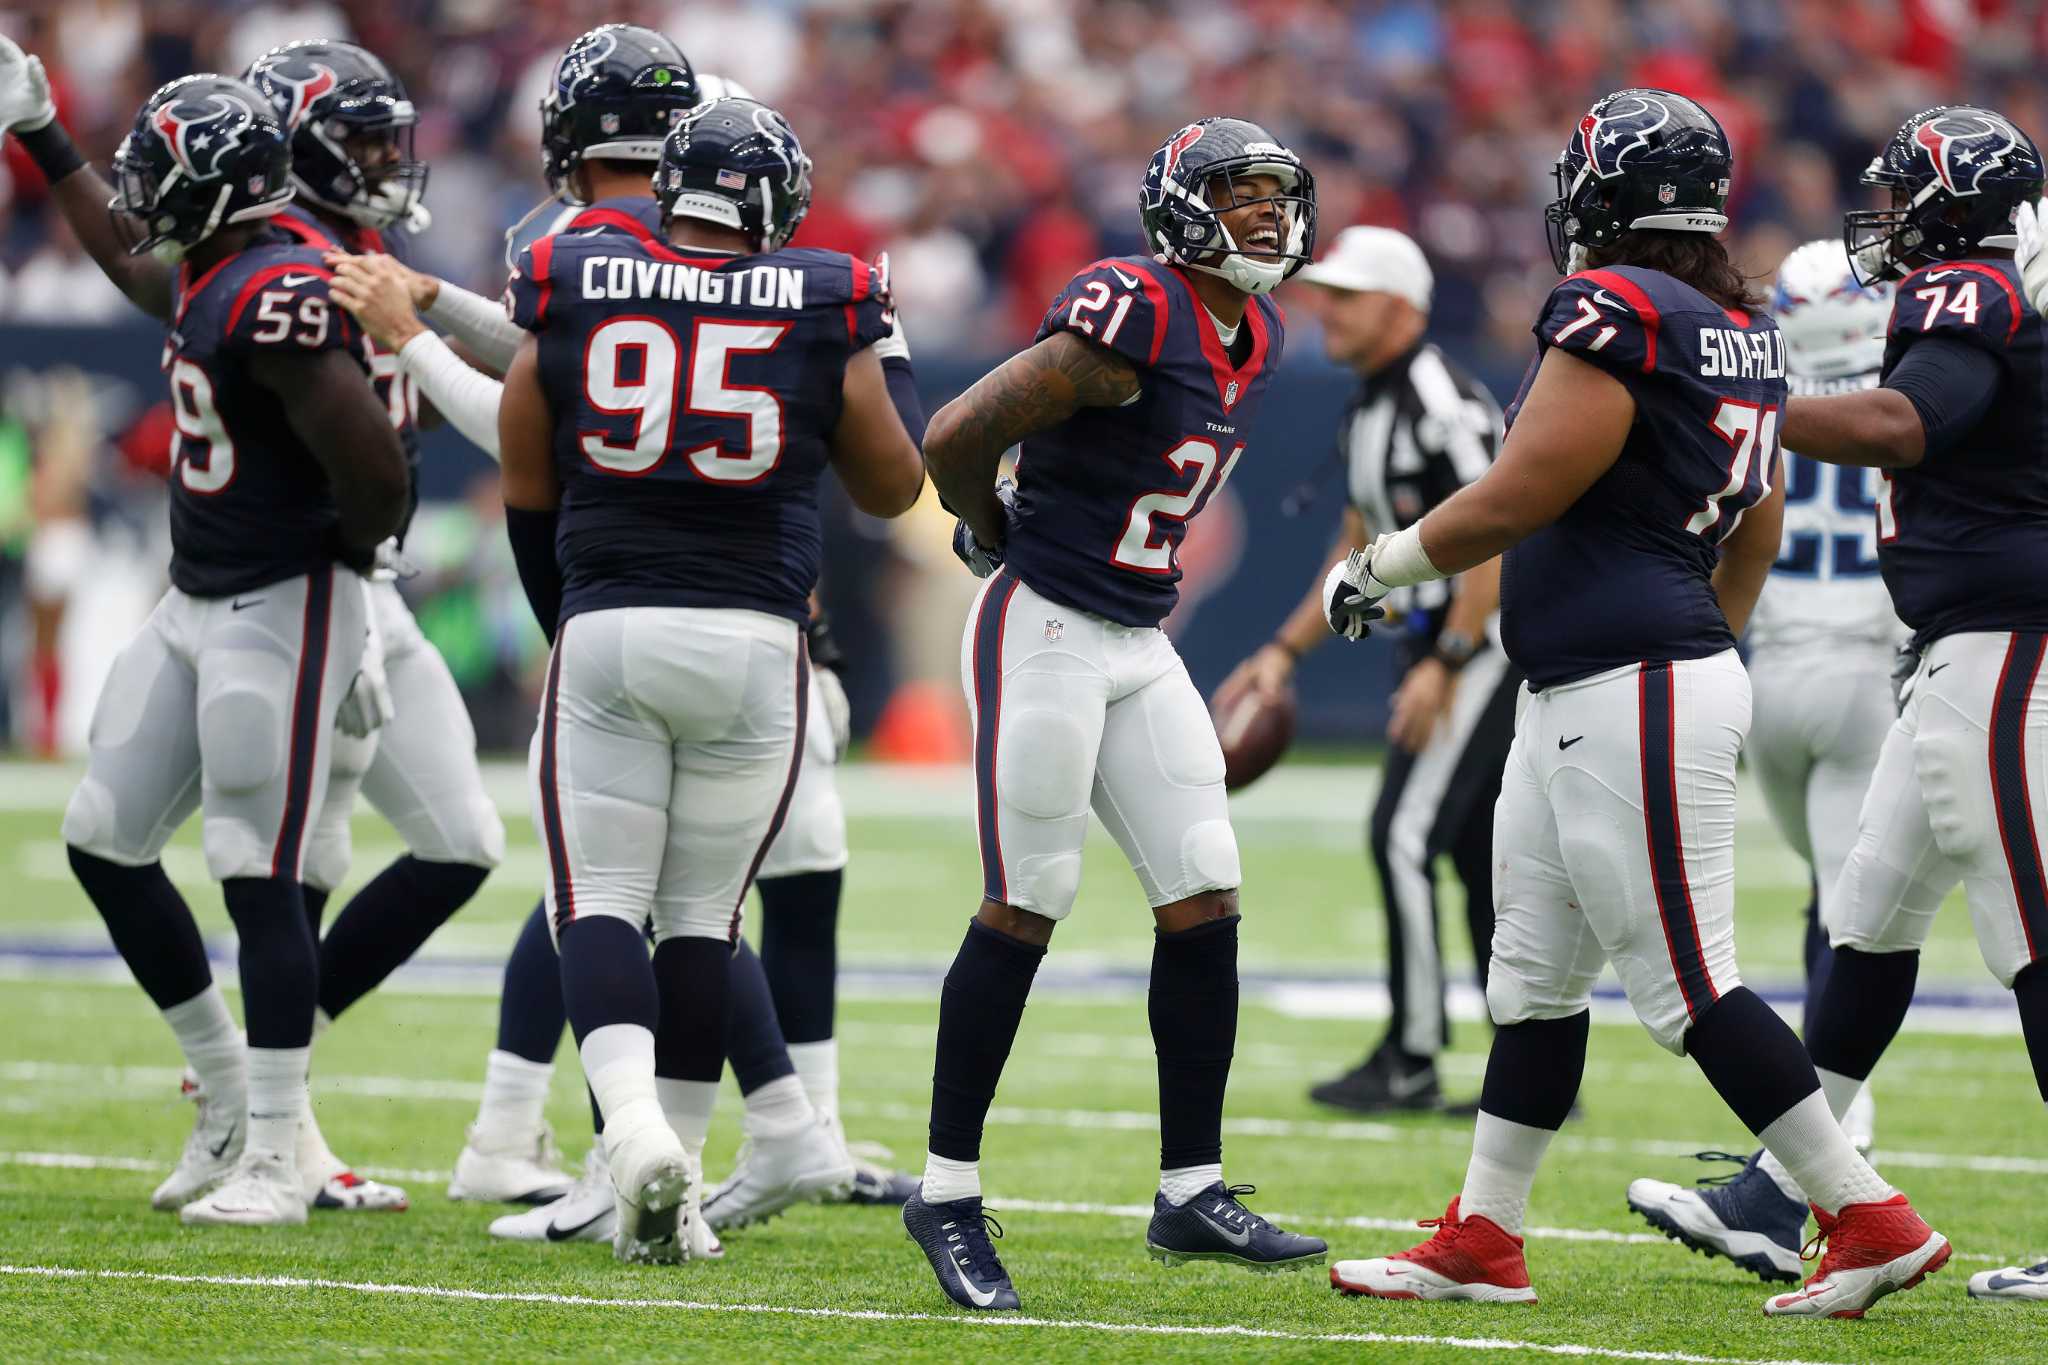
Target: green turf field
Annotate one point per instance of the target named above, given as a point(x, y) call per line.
point(89, 1119)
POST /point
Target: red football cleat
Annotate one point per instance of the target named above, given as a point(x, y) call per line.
point(1468, 1258)
point(1872, 1250)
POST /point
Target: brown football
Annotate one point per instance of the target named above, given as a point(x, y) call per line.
point(1254, 729)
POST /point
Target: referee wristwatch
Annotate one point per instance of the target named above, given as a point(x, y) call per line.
point(1454, 649)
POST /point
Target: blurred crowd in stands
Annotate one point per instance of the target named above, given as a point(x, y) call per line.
point(992, 146)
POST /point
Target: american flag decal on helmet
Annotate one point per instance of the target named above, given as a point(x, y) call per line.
point(732, 180)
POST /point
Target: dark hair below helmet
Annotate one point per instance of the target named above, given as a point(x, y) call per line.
point(1956, 174)
point(1644, 160)
point(1183, 228)
point(615, 94)
point(206, 151)
point(327, 92)
point(736, 163)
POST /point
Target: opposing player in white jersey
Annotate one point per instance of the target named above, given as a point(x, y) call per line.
point(1821, 640)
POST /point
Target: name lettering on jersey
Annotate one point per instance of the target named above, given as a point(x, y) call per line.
point(631, 277)
point(1727, 353)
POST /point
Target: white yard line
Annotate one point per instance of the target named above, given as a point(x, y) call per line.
point(876, 1315)
point(80, 1161)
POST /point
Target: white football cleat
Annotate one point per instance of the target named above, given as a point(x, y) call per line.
point(326, 1182)
point(1469, 1259)
point(2013, 1282)
point(263, 1192)
point(1872, 1250)
point(651, 1176)
point(1860, 1122)
point(587, 1213)
point(211, 1152)
point(527, 1170)
point(697, 1233)
point(772, 1172)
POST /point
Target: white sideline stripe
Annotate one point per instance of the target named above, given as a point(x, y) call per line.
point(425, 1291)
point(80, 1161)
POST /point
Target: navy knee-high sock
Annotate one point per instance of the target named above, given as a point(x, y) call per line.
point(316, 907)
point(531, 1015)
point(1860, 1011)
point(2030, 993)
point(753, 1038)
point(800, 951)
point(980, 1008)
point(386, 922)
point(1193, 1008)
point(280, 965)
point(1534, 1069)
point(1751, 1058)
point(1820, 958)
point(150, 924)
point(606, 977)
point(694, 976)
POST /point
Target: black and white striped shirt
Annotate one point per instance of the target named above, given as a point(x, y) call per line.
point(1416, 432)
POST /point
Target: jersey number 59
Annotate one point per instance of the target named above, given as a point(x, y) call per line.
point(635, 367)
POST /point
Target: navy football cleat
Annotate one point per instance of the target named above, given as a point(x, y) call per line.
point(1744, 1217)
point(1216, 1226)
point(873, 1184)
point(955, 1239)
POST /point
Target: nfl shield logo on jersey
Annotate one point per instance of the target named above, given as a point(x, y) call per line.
point(1054, 629)
point(1230, 394)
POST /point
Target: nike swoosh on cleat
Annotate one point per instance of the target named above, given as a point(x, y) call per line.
point(1997, 1282)
point(982, 1297)
point(1236, 1239)
point(558, 1233)
point(1401, 1087)
point(232, 1129)
point(1128, 281)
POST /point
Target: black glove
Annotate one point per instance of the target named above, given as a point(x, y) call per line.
point(825, 650)
point(982, 560)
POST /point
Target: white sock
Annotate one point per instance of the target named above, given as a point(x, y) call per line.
point(687, 1105)
point(277, 1100)
point(781, 1106)
point(817, 1066)
point(1841, 1091)
point(618, 1061)
point(1810, 1142)
point(315, 1157)
point(1183, 1183)
point(1502, 1171)
point(515, 1097)
point(211, 1043)
point(946, 1179)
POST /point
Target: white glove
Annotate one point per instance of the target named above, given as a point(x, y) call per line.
point(832, 693)
point(1351, 596)
point(368, 706)
point(2028, 255)
point(25, 103)
point(390, 563)
point(896, 343)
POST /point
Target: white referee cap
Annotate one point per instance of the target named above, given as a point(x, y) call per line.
point(1375, 258)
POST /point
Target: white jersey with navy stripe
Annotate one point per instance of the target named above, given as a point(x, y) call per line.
point(1825, 589)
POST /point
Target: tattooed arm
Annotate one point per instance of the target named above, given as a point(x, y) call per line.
point(1032, 391)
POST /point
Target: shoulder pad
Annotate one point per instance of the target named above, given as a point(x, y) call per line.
point(1605, 317)
point(1120, 303)
point(279, 301)
point(1969, 300)
point(528, 287)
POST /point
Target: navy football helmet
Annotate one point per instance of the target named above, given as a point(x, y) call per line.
point(1956, 175)
point(331, 93)
point(1184, 228)
point(616, 94)
point(1639, 159)
point(737, 163)
point(206, 151)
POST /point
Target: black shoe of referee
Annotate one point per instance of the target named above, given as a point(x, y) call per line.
point(1388, 1081)
point(1216, 1226)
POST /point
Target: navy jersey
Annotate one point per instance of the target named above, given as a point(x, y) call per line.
point(1104, 498)
point(250, 504)
point(399, 391)
point(1625, 575)
point(694, 396)
point(1963, 535)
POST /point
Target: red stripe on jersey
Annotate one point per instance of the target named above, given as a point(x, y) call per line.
point(1633, 295)
point(1221, 370)
point(1997, 277)
point(190, 289)
point(860, 279)
point(264, 276)
point(543, 253)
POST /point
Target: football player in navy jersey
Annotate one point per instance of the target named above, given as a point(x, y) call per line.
point(285, 475)
point(1634, 499)
point(1132, 407)
point(1959, 425)
point(663, 432)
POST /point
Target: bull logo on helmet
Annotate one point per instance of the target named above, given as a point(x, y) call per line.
point(209, 131)
point(1608, 135)
point(1963, 148)
point(1178, 144)
point(295, 95)
point(585, 55)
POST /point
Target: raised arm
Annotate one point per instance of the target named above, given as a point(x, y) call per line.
point(1030, 392)
point(333, 409)
point(375, 290)
point(27, 111)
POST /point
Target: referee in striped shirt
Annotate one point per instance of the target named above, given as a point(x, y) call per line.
point(1418, 430)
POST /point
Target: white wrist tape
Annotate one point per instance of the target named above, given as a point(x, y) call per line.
point(466, 396)
point(479, 323)
point(1399, 560)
